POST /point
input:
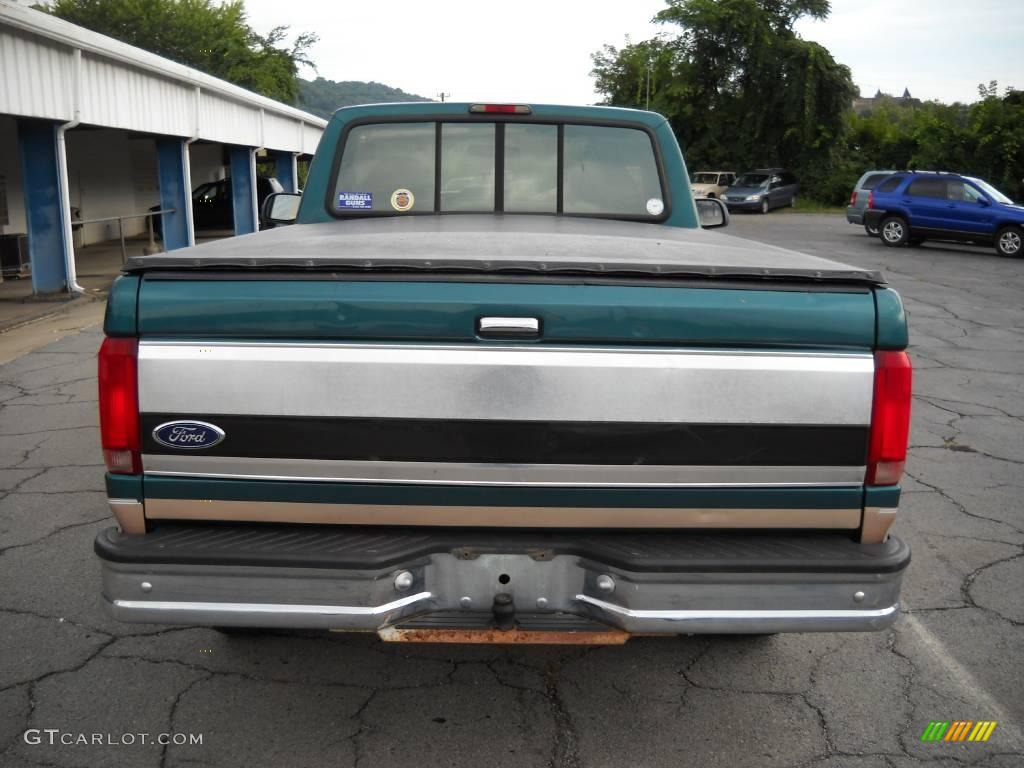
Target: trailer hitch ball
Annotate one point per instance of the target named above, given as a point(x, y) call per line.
point(504, 611)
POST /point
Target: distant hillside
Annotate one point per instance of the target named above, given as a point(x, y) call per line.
point(322, 97)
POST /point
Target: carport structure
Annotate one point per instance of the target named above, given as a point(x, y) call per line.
point(90, 122)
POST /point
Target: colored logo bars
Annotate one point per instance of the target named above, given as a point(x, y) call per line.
point(958, 730)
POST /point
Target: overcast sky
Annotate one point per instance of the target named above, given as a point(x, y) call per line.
point(539, 50)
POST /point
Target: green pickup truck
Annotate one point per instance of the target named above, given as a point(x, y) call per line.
point(497, 384)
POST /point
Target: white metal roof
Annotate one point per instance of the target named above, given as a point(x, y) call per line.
point(116, 85)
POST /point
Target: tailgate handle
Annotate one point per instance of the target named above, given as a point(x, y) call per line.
point(518, 327)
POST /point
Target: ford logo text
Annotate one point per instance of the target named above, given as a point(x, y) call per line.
point(188, 434)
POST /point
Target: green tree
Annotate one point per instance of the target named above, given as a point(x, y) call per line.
point(984, 139)
point(739, 86)
point(212, 37)
point(997, 127)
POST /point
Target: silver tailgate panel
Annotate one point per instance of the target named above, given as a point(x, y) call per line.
point(506, 383)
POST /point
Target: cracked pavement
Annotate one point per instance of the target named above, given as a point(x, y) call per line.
point(307, 699)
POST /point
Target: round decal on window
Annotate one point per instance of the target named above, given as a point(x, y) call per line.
point(655, 206)
point(402, 200)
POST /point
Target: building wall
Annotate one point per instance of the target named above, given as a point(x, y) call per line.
point(121, 99)
point(35, 74)
point(118, 86)
point(10, 171)
point(206, 163)
point(111, 174)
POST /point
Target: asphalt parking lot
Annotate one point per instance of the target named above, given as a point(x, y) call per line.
point(822, 701)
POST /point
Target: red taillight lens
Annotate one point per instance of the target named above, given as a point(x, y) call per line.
point(890, 418)
point(853, 198)
point(501, 109)
point(871, 199)
point(119, 405)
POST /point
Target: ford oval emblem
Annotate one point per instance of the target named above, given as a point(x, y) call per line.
point(189, 435)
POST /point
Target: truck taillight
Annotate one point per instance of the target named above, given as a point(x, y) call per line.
point(871, 199)
point(890, 418)
point(500, 109)
point(119, 405)
point(853, 198)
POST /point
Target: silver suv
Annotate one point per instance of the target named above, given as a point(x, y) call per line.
point(859, 198)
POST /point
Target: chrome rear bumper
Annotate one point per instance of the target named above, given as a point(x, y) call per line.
point(456, 587)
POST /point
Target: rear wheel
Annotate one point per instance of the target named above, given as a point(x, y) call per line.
point(872, 231)
point(894, 231)
point(764, 205)
point(1009, 242)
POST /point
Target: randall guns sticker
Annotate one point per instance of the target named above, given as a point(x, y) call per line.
point(355, 201)
point(402, 200)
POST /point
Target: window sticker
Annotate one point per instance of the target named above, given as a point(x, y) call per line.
point(402, 200)
point(655, 206)
point(355, 201)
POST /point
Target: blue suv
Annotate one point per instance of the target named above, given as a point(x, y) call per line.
point(909, 208)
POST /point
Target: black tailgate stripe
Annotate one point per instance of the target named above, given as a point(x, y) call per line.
point(523, 442)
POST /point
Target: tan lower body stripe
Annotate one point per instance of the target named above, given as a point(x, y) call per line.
point(506, 517)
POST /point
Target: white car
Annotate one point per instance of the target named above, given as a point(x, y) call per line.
point(711, 183)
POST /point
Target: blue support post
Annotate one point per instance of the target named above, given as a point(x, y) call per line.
point(243, 189)
point(175, 192)
point(48, 248)
point(285, 170)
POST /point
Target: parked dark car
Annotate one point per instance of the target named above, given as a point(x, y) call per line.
point(859, 197)
point(761, 190)
point(909, 208)
point(212, 206)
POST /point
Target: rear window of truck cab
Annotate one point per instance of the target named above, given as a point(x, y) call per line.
point(399, 168)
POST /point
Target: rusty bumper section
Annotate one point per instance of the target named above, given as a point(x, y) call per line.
point(535, 629)
point(503, 637)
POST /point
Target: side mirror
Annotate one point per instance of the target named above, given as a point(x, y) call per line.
point(281, 208)
point(984, 202)
point(712, 213)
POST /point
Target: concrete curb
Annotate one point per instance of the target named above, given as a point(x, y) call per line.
point(35, 311)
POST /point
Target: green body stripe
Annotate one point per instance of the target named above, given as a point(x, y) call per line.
point(124, 486)
point(453, 495)
point(885, 496)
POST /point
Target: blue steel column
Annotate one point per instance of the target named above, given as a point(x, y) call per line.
point(48, 248)
point(175, 192)
point(285, 170)
point(243, 189)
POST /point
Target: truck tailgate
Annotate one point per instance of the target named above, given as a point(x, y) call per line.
point(381, 401)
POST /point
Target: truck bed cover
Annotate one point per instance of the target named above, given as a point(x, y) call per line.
point(506, 244)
